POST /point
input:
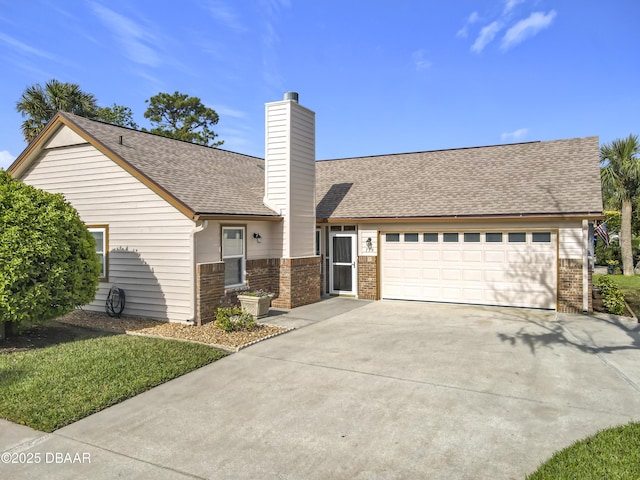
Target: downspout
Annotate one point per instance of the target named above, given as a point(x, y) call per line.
point(585, 266)
point(194, 271)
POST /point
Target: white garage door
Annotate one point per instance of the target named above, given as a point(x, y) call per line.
point(489, 268)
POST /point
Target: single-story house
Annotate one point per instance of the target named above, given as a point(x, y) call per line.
point(178, 226)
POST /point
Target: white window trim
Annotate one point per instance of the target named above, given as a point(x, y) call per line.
point(243, 265)
point(102, 250)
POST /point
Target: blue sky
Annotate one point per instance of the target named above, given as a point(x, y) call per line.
point(382, 77)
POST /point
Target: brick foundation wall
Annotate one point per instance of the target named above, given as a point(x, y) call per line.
point(368, 277)
point(209, 290)
point(570, 285)
point(293, 281)
point(262, 274)
point(298, 282)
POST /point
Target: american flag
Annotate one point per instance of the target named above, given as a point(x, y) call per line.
point(601, 232)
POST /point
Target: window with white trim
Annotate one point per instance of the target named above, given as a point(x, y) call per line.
point(100, 236)
point(233, 255)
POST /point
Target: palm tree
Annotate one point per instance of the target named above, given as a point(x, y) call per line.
point(40, 104)
point(620, 174)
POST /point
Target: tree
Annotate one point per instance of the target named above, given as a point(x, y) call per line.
point(48, 261)
point(40, 105)
point(620, 174)
point(182, 117)
point(116, 115)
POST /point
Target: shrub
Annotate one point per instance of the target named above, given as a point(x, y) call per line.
point(233, 319)
point(612, 296)
point(48, 261)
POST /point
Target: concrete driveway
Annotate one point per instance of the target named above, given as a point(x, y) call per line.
point(367, 390)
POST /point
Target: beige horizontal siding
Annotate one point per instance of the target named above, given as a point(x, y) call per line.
point(149, 240)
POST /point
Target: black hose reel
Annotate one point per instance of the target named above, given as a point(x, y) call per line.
point(115, 302)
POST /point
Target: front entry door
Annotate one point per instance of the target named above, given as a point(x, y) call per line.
point(342, 251)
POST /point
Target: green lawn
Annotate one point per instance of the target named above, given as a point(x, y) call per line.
point(51, 387)
point(630, 287)
point(611, 454)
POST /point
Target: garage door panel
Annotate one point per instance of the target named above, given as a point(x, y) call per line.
point(411, 255)
point(472, 256)
point(494, 256)
point(451, 293)
point(494, 275)
point(472, 275)
point(515, 274)
point(451, 274)
point(431, 255)
point(450, 255)
point(473, 294)
point(412, 273)
point(430, 273)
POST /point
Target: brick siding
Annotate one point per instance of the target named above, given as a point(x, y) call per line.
point(368, 277)
point(298, 282)
point(209, 290)
point(570, 291)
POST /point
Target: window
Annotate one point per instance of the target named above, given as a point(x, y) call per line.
point(392, 237)
point(349, 228)
point(493, 237)
point(430, 237)
point(517, 237)
point(471, 237)
point(318, 241)
point(450, 237)
point(100, 235)
point(336, 228)
point(541, 237)
point(233, 255)
point(410, 237)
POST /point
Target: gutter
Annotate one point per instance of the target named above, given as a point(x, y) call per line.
point(194, 272)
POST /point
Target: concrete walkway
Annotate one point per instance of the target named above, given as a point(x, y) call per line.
point(367, 390)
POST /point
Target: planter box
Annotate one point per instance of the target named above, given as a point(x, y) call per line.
point(256, 306)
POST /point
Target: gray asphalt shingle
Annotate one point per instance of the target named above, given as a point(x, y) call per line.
point(207, 180)
point(546, 178)
point(556, 177)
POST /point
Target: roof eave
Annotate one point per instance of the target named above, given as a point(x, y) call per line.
point(238, 217)
point(470, 218)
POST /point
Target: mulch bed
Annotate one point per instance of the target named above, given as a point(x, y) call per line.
point(80, 325)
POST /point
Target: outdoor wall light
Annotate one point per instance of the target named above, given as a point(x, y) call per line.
point(369, 245)
point(258, 237)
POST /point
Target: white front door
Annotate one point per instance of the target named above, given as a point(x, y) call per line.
point(342, 274)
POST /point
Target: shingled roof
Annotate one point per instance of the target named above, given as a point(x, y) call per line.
point(559, 177)
point(209, 181)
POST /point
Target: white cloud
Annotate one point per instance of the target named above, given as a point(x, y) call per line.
point(420, 61)
point(223, 13)
point(510, 4)
point(6, 159)
point(464, 31)
point(23, 48)
point(514, 136)
point(527, 28)
point(486, 36)
point(225, 111)
point(135, 39)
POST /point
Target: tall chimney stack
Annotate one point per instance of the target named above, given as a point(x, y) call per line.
point(290, 174)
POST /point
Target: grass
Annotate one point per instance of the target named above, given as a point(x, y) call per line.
point(612, 454)
point(630, 287)
point(52, 387)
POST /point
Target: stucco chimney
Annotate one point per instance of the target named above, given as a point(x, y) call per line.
point(290, 174)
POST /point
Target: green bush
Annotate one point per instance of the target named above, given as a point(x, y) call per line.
point(48, 261)
point(233, 319)
point(612, 296)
